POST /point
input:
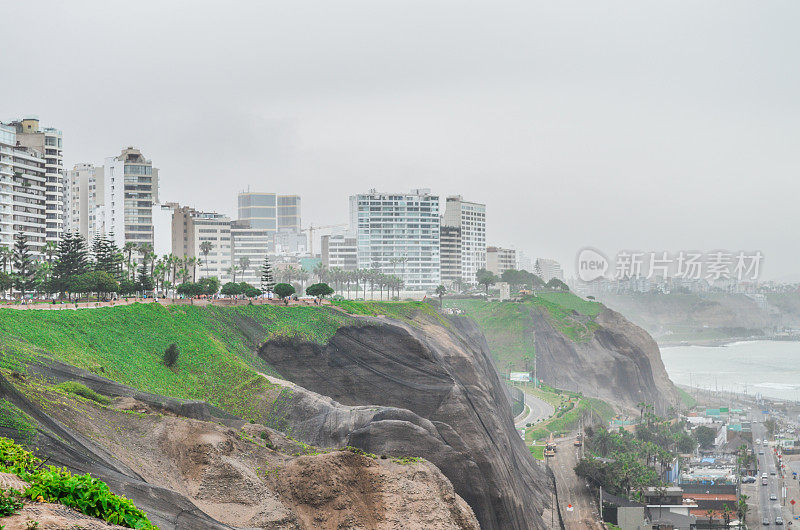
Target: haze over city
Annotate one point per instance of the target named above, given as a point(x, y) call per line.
point(644, 126)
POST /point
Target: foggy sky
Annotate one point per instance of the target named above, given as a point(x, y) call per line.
point(618, 125)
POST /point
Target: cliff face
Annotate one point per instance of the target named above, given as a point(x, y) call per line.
point(619, 363)
point(220, 472)
point(426, 390)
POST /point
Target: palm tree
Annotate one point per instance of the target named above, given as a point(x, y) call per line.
point(232, 270)
point(321, 271)
point(192, 262)
point(440, 291)
point(205, 249)
point(128, 249)
point(244, 265)
point(303, 277)
point(5, 257)
point(372, 275)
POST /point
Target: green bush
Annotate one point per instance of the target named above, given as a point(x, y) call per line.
point(79, 389)
point(82, 492)
point(9, 505)
point(171, 355)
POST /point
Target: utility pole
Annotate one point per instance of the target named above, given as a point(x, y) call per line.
point(601, 503)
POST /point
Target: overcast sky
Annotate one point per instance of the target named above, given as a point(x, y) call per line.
point(618, 125)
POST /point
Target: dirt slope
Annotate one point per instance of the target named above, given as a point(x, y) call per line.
point(239, 475)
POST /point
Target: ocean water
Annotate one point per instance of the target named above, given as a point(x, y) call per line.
point(769, 368)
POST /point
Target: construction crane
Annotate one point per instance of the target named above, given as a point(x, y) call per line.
point(311, 229)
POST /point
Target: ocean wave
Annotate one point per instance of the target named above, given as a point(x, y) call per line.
point(777, 386)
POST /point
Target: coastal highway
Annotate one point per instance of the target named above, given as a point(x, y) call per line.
point(766, 464)
point(537, 410)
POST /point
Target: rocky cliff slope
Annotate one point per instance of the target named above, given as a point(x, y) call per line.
point(440, 398)
point(577, 345)
point(269, 453)
point(221, 472)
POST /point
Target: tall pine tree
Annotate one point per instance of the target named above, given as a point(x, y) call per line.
point(72, 260)
point(24, 266)
point(267, 280)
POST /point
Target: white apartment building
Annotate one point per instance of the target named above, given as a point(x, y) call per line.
point(547, 269)
point(23, 185)
point(340, 251)
point(85, 195)
point(470, 217)
point(130, 192)
point(48, 142)
point(253, 244)
point(398, 234)
point(524, 262)
point(500, 260)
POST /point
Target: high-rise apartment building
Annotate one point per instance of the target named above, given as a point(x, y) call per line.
point(547, 269)
point(450, 242)
point(84, 196)
point(398, 234)
point(500, 260)
point(470, 217)
point(48, 142)
point(192, 230)
point(340, 251)
point(130, 191)
point(23, 192)
point(524, 262)
point(249, 246)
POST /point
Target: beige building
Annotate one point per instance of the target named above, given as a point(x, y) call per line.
point(450, 256)
point(499, 260)
point(340, 251)
point(191, 229)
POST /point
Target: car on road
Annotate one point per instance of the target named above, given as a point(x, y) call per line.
point(748, 480)
point(761, 452)
point(773, 497)
point(764, 482)
point(779, 520)
point(765, 521)
point(772, 472)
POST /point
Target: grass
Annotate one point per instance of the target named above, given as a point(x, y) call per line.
point(537, 451)
point(508, 329)
point(16, 422)
point(217, 362)
point(686, 398)
point(83, 391)
point(508, 326)
point(568, 419)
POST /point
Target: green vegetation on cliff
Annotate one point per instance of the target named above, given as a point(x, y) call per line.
point(217, 363)
point(508, 326)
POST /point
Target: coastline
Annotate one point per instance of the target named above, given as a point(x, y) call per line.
point(722, 342)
